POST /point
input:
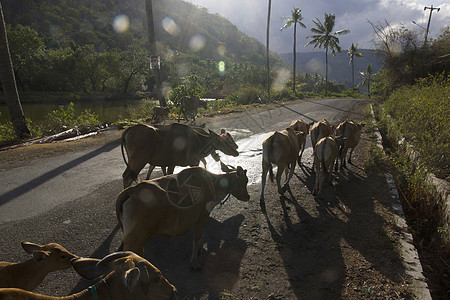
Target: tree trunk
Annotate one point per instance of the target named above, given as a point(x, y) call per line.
point(267, 48)
point(295, 55)
point(326, 71)
point(353, 74)
point(153, 50)
point(9, 86)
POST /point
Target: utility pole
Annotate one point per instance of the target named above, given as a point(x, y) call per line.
point(429, 19)
point(267, 49)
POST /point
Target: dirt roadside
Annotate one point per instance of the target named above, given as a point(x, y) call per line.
point(342, 246)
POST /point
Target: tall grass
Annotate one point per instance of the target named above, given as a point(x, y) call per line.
point(422, 113)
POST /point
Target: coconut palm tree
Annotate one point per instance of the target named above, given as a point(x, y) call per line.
point(153, 50)
point(325, 37)
point(8, 83)
point(295, 18)
point(353, 52)
point(367, 78)
point(267, 48)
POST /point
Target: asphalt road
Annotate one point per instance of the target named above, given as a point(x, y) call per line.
point(43, 183)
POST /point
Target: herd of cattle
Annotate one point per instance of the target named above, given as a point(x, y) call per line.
point(173, 204)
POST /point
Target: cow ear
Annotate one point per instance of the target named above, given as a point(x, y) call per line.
point(212, 133)
point(87, 268)
point(225, 168)
point(132, 278)
point(30, 247)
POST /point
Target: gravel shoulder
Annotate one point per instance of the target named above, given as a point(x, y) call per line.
point(345, 245)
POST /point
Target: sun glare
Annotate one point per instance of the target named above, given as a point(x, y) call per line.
point(121, 23)
point(170, 26)
point(197, 42)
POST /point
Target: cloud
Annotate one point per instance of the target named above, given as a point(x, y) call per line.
point(250, 16)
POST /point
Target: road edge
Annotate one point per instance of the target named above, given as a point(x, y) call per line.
point(410, 257)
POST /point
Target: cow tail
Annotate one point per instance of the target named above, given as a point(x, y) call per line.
point(132, 174)
point(322, 159)
point(123, 196)
point(269, 149)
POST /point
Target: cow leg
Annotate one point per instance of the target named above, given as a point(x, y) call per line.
point(280, 171)
point(134, 242)
point(350, 156)
point(265, 168)
point(150, 170)
point(288, 179)
point(197, 243)
point(170, 169)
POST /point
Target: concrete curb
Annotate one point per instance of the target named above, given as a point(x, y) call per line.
point(419, 287)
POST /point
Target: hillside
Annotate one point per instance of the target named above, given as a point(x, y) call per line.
point(90, 22)
point(339, 68)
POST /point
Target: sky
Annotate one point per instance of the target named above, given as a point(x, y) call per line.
point(250, 16)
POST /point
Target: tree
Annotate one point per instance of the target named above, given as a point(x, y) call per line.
point(353, 52)
point(153, 50)
point(325, 37)
point(367, 78)
point(267, 48)
point(295, 18)
point(9, 86)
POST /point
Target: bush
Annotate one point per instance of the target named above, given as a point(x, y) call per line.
point(422, 112)
point(249, 95)
point(65, 118)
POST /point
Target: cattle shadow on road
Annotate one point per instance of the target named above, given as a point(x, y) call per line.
point(221, 257)
point(32, 184)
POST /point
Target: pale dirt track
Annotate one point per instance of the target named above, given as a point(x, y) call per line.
point(341, 247)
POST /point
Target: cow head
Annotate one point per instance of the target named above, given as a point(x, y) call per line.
point(133, 277)
point(238, 182)
point(224, 142)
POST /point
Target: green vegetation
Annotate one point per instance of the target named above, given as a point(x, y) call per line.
point(422, 113)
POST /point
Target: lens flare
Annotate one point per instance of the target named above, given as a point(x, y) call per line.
point(221, 67)
point(221, 50)
point(170, 26)
point(121, 23)
point(197, 42)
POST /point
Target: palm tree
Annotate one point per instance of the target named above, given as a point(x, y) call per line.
point(353, 52)
point(325, 37)
point(295, 18)
point(267, 49)
point(8, 83)
point(153, 50)
point(367, 78)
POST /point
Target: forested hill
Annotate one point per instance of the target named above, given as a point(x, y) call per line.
point(179, 26)
point(339, 68)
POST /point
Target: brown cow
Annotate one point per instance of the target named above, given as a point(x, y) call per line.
point(170, 146)
point(189, 106)
point(320, 130)
point(352, 131)
point(325, 155)
point(171, 205)
point(280, 148)
point(300, 125)
point(29, 274)
point(122, 275)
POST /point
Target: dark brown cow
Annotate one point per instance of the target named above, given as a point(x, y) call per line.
point(171, 205)
point(170, 146)
point(189, 106)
